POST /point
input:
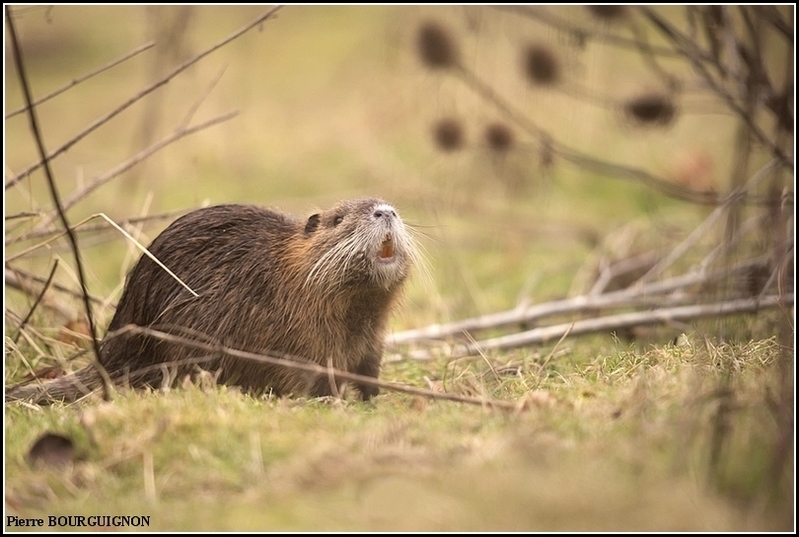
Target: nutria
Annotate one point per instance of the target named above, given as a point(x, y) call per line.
point(318, 290)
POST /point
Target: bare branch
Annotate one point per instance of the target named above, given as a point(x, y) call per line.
point(703, 228)
point(78, 80)
point(773, 16)
point(14, 278)
point(22, 215)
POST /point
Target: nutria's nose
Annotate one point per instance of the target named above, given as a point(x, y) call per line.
point(384, 211)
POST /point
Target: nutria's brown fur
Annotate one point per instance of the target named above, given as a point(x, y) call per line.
point(319, 290)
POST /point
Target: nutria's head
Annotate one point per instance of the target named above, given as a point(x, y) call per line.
point(359, 241)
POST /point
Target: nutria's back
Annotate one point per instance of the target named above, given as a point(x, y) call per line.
point(318, 289)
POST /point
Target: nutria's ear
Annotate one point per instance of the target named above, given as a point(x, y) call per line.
point(313, 223)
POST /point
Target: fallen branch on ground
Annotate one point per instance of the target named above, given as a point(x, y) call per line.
point(645, 295)
point(607, 323)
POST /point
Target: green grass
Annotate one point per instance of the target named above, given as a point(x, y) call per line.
point(609, 434)
point(617, 442)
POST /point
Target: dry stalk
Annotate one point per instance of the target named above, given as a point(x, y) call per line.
point(127, 235)
point(701, 230)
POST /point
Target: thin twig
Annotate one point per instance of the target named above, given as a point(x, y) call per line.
point(620, 171)
point(724, 248)
point(54, 194)
point(141, 94)
point(78, 80)
point(647, 54)
point(35, 247)
point(200, 100)
point(36, 302)
point(22, 215)
point(14, 278)
point(773, 16)
point(96, 227)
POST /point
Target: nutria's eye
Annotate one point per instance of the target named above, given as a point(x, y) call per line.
point(337, 220)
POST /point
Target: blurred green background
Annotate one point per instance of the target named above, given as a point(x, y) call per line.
point(334, 102)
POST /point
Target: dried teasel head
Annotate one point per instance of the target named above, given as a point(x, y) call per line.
point(448, 134)
point(650, 109)
point(437, 48)
point(499, 137)
point(541, 65)
point(607, 12)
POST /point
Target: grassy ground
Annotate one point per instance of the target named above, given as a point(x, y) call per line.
point(609, 435)
point(611, 442)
